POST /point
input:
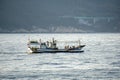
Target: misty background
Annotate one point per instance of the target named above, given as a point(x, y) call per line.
point(59, 16)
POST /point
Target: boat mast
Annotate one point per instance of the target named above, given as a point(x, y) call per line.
point(79, 42)
point(28, 43)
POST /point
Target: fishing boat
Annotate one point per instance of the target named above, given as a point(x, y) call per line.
point(52, 47)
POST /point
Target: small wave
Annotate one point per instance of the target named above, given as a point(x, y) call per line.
point(116, 63)
point(8, 77)
point(63, 67)
point(7, 52)
point(18, 59)
point(53, 63)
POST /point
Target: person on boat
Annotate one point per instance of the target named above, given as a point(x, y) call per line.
point(73, 47)
point(67, 47)
point(47, 43)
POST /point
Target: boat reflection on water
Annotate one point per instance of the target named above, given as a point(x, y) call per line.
point(35, 46)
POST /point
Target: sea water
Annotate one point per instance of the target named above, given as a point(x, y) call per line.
point(99, 61)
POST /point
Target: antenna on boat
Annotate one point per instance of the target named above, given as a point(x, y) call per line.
point(28, 41)
point(40, 40)
point(79, 42)
point(28, 38)
point(53, 39)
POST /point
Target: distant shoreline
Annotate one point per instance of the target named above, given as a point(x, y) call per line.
point(56, 32)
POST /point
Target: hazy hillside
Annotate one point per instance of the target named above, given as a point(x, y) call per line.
point(59, 16)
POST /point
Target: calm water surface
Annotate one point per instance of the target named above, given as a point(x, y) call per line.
point(99, 61)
